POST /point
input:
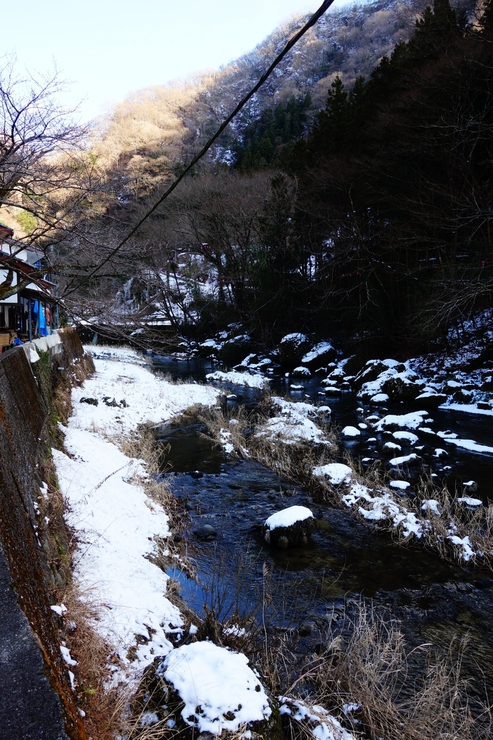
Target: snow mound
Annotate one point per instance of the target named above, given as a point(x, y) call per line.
point(337, 473)
point(237, 378)
point(219, 689)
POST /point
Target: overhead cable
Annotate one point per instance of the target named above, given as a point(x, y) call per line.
point(287, 48)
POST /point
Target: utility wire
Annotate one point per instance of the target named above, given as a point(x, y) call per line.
point(294, 40)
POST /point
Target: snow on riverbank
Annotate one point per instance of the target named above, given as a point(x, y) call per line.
point(250, 380)
point(114, 521)
point(115, 525)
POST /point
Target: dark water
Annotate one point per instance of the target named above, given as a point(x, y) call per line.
point(237, 572)
point(453, 471)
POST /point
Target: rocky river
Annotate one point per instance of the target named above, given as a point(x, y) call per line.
point(309, 591)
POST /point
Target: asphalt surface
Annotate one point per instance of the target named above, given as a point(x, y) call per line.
point(29, 708)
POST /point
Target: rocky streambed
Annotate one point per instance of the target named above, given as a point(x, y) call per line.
point(416, 420)
point(309, 594)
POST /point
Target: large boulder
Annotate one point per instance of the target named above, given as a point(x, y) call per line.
point(209, 348)
point(429, 399)
point(403, 386)
point(291, 349)
point(373, 368)
point(388, 377)
point(319, 356)
point(234, 350)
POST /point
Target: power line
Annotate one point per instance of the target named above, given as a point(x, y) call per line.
point(294, 40)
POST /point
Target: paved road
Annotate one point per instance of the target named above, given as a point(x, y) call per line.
point(29, 708)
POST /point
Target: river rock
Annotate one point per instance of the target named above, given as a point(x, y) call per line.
point(301, 372)
point(289, 527)
point(451, 386)
point(322, 354)
point(373, 369)
point(350, 432)
point(292, 348)
point(487, 384)
point(403, 386)
point(484, 405)
point(206, 532)
point(463, 396)
point(209, 348)
point(429, 400)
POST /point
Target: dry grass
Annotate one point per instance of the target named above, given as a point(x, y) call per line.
point(92, 672)
point(293, 461)
point(454, 518)
point(369, 665)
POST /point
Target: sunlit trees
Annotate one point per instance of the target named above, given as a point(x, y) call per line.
point(139, 144)
point(46, 177)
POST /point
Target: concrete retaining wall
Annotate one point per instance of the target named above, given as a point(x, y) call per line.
point(36, 698)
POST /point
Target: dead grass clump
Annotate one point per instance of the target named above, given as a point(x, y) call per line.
point(447, 521)
point(141, 444)
point(229, 426)
point(367, 667)
point(93, 657)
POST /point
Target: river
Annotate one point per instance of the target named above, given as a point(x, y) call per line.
point(434, 600)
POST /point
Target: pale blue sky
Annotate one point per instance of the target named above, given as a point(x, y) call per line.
point(108, 48)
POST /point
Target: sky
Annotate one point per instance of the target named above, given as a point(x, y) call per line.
point(105, 49)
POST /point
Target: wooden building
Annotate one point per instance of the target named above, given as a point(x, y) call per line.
point(31, 310)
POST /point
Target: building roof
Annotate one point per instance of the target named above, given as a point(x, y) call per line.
point(6, 230)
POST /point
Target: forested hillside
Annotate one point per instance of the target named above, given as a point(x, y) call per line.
point(158, 128)
point(368, 220)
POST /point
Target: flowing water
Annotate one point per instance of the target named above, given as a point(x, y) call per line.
point(235, 570)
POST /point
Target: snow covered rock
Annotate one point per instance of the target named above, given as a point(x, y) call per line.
point(430, 400)
point(391, 448)
point(373, 369)
point(470, 502)
point(301, 372)
point(209, 348)
point(450, 387)
point(403, 386)
point(411, 459)
point(388, 377)
point(211, 689)
point(351, 432)
point(336, 473)
point(406, 438)
point(292, 526)
point(292, 348)
point(411, 421)
point(321, 354)
point(379, 398)
point(463, 395)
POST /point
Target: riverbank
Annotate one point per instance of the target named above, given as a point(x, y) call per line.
point(116, 525)
point(121, 531)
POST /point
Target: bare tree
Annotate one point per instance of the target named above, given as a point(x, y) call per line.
point(45, 172)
